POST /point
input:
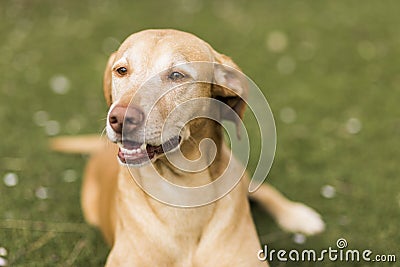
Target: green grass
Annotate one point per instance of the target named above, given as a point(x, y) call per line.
point(346, 57)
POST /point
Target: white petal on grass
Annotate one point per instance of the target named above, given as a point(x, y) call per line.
point(286, 65)
point(3, 262)
point(69, 176)
point(299, 239)
point(328, 191)
point(60, 84)
point(52, 128)
point(10, 179)
point(276, 41)
point(42, 192)
point(40, 118)
point(288, 115)
point(353, 126)
point(3, 252)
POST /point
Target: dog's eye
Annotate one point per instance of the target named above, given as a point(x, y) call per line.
point(122, 71)
point(174, 76)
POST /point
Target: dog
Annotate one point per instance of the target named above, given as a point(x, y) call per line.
point(142, 230)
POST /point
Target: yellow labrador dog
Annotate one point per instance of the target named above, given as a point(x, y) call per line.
point(141, 230)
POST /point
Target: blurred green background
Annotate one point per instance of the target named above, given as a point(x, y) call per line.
point(329, 69)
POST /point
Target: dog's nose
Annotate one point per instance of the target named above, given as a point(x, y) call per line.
point(125, 117)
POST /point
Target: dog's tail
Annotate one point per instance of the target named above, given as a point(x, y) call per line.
point(81, 144)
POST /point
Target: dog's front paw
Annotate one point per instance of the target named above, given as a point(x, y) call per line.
point(299, 218)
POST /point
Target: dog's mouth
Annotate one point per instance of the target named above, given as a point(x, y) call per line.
point(136, 154)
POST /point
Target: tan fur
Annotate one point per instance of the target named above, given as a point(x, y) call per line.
point(83, 144)
point(141, 230)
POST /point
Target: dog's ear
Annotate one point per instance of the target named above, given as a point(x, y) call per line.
point(231, 87)
point(107, 79)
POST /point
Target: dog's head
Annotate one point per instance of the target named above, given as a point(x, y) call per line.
point(149, 78)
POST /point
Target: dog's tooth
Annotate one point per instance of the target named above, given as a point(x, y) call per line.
point(127, 151)
point(133, 151)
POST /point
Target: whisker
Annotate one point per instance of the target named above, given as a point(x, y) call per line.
point(103, 132)
point(103, 135)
